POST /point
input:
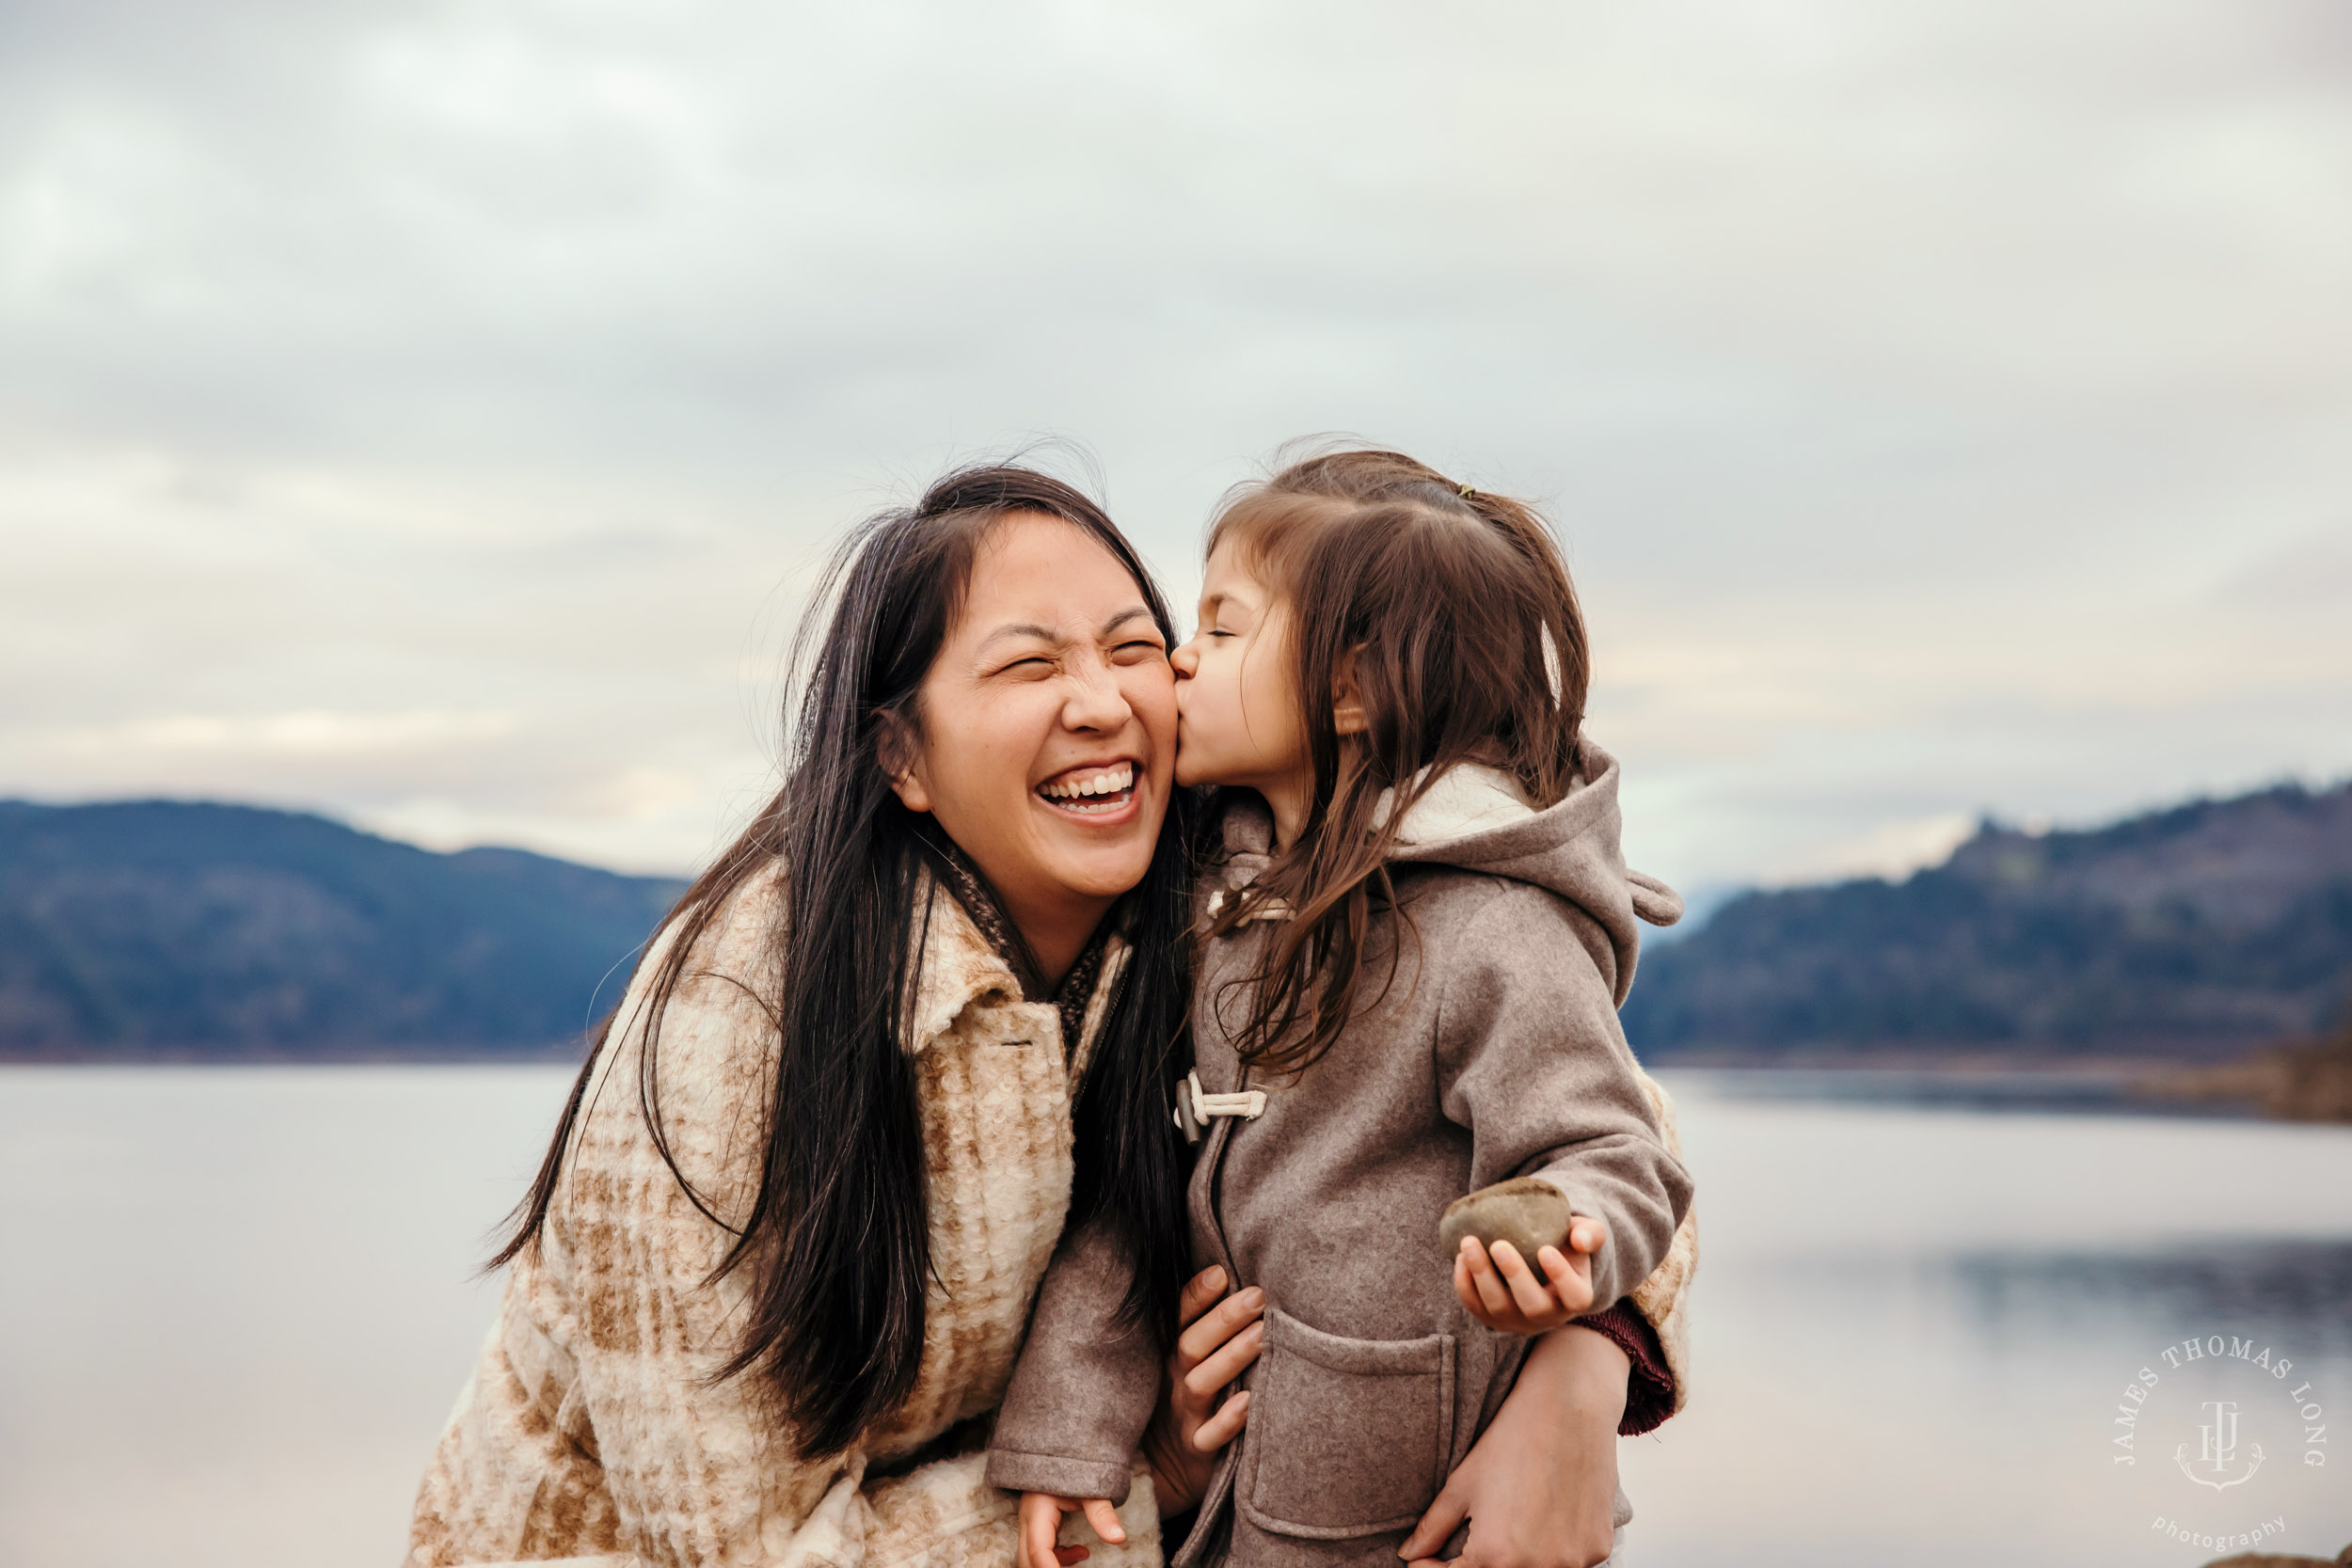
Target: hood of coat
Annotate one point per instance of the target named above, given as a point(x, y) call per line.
point(1474, 817)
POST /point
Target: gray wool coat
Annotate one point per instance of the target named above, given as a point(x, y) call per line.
point(1495, 1053)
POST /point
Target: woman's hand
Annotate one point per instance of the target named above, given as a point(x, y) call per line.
point(1505, 1294)
point(1221, 1337)
point(1540, 1486)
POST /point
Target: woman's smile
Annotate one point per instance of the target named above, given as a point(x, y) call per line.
point(1094, 791)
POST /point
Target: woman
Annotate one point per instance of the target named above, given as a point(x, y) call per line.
point(781, 1251)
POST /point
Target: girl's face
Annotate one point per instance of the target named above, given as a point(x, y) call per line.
point(1049, 725)
point(1239, 720)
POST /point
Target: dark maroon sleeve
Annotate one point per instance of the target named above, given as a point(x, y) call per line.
point(1649, 1388)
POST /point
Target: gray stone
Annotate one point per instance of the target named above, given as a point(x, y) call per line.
point(1526, 1213)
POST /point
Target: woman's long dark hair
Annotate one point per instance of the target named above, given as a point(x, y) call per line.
point(837, 1242)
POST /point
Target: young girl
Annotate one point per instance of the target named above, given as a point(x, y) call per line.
point(1417, 927)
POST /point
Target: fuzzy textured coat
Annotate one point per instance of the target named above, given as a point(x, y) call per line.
point(590, 1431)
point(1494, 1052)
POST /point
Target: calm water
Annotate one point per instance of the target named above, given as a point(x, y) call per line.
point(236, 1306)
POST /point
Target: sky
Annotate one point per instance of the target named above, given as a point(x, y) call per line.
point(435, 414)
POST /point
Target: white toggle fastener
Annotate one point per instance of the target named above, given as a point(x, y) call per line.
point(1194, 1109)
point(1265, 909)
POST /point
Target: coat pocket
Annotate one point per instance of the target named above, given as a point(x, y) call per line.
point(1346, 1437)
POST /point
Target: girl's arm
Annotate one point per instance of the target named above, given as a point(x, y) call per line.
point(1647, 1323)
point(1567, 1100)
point(1220, 1339)
point(1531, 1062)
point(1086, 1385)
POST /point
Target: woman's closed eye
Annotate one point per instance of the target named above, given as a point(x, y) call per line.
point(1139, 650)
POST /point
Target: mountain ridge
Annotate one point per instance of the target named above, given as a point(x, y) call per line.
point(139, 930)
point(2193, 931)
point(195, 930)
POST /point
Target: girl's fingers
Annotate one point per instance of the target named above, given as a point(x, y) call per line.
point(1105, 1518)
point(1223, 1426)
point(1571, 1281)
point(1040, 1519)
point(1528, 1291)
point(1587, 1234)
point(1557, 1269)
point(1199, 1293)
point(1232, 1359)
point(1493, 1296)
point(1218, 1325)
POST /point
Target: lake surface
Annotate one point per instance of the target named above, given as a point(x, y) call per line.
point(236, 1303)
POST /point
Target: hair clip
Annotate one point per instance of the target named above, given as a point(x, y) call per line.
point(1469, 494)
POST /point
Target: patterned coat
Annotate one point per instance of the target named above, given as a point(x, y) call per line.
point(590, 1429)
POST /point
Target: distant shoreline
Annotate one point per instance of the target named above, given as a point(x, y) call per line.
point(2309, 1082)
point(1947, 1059)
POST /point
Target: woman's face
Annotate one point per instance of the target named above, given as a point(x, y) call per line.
point(1048, 742)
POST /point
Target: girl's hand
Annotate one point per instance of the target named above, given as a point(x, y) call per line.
point(1221, 1338)
point(1539, 1488)
point(1504, 1294)
point(1041, 1521)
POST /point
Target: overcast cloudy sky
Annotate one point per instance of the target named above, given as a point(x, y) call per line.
point(431, 412)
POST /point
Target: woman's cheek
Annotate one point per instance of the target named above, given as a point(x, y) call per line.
point(1152, 699)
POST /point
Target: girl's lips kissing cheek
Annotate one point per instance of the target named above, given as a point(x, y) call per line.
point(1096, 789)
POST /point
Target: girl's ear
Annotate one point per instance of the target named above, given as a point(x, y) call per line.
point(1347, 699)
point(900, 755)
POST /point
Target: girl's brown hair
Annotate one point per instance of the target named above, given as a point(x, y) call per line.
point(1450, 613)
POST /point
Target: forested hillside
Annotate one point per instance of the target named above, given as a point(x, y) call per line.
point(153, 929)
point(156, 928)
point(2207, 927)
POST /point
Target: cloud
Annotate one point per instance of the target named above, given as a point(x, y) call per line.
point(1942, 405)
point(309, 734)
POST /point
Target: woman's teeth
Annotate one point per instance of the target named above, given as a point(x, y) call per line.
point(1078, 792)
